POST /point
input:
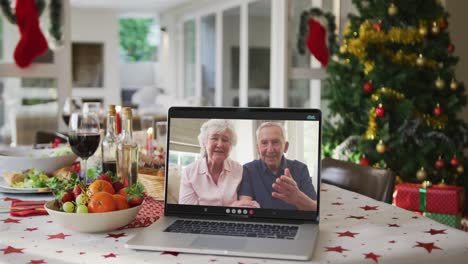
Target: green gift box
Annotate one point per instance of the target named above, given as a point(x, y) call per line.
point(446, 219)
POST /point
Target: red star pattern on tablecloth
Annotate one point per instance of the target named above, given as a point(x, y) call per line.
point(356, 217)
point(10, 249)
point(372, 256)
point(337, 203)
point(427, 246)
point(170, 253)
point(39, 261)
point(346, 234)
point(336, 249)
point(110, 255)
point(11, 220)
point(30, 229)
point(57, 236)
point(81, 253)
point(392, 241)
point(116, 235)
point(436, 232)
point(393, 225)
point(213, 260)
point(369, 208)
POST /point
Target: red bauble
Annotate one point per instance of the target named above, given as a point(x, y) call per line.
point(380, 111)
point(451, 48)
point(378, 26)
point(368, 87)
point(454, 161)
point(364, 161)
point(437, 111)
point(443, 24)
point(439, 164)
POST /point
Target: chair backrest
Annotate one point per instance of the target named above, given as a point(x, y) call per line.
point(46, 137)
point(372, 182)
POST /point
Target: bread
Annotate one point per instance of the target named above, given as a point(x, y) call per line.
point(13, 177)
point(63, 173)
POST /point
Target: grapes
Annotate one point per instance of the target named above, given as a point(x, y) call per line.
point(81, 199)
point(68, 207)
point(82, 209)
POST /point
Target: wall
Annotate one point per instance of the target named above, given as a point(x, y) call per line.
point(457, 28)
point(99, 25)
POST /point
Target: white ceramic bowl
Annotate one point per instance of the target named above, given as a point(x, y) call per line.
point(21, 159)
point(92, 222)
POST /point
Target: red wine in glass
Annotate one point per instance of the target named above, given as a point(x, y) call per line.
point(84, 144)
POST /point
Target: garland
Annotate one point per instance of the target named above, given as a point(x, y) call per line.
point(55, 15)
point(303, 29)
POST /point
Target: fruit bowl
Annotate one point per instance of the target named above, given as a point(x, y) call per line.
point(92, 222)
point(44, 160)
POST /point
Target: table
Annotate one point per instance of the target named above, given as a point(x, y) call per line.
point(353, 229)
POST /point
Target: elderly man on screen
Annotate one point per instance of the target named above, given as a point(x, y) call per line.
point(275, 181)
point(214, 179)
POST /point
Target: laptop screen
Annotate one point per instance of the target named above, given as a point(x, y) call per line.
point(243, 162)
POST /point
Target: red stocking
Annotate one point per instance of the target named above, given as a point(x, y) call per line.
point(316, 42)
point(32, 43)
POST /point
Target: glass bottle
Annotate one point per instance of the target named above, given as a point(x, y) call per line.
point(109, 143)
point(127, 150)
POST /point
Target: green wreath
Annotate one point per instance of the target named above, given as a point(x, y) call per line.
point(55, 15)
point(303, 29)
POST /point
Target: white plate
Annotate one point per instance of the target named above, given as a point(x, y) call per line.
point(21, 159)
point(5, 188)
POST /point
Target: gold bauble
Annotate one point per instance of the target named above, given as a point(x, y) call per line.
point(392, 9)
point(380, 147)
point(439, 83)
point(460, 169)
point(420, 60)
point(343, 49)
point(442, 182)
point(422, 31)
point(435, 28)
point(421, 174)
point(453, 85)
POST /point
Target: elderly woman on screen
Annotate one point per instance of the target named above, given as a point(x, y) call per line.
point(213, 179)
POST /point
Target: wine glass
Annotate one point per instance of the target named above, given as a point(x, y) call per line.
point(95, 107)
point(84, 137)
point(71, 104)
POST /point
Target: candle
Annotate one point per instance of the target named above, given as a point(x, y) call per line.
point(118, 125)
point(149, 142)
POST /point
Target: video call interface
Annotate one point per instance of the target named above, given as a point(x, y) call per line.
point(270, 164)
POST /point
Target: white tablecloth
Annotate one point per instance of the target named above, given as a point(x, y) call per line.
point(353, 229)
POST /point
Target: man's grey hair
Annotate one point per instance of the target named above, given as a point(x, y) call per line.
point(270, 124)
point(213, 126)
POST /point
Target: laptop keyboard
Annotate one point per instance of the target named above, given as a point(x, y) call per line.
point(233, 229)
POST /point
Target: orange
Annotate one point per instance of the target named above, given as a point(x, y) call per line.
point(121, 202)
point(123, 193)
point(102, 202)
point(100, 186)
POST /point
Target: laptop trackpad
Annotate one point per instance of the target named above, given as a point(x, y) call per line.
point(219, 243)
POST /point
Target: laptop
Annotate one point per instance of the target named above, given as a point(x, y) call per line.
point(237, 213)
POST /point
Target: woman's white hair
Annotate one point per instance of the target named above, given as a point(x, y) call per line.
point(213, 126)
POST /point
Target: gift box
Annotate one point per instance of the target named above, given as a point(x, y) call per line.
point(441, 199)
point(446, 219)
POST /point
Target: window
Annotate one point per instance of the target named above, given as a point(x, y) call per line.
point(182, 159)
point(138, 39)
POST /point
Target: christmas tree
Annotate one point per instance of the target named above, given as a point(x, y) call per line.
point(393, 94)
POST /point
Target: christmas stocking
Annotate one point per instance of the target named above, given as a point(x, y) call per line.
point(32, 43)
point(316, 41)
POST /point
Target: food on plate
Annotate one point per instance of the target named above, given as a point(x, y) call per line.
point(13, 177)
point(31, 178)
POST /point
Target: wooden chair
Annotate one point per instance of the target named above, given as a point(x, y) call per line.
point(372, 182)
